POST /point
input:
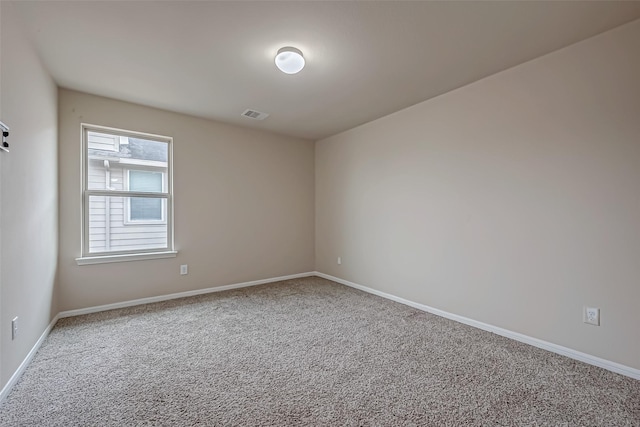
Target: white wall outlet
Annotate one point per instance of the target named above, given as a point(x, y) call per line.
point(591, 316)
point(339, 260)
point(184, 269)
point(14, 328)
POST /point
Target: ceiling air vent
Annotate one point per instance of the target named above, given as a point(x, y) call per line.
point(253, 114)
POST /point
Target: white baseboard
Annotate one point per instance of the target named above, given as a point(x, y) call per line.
point(159, 298)
point(18, 373)
point(573, 354)
point(554, 348)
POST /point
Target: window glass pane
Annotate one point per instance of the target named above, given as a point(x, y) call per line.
point(145, 209)
point(109, 230)
point(102, 141)
point(108, 156)
point(150, 182)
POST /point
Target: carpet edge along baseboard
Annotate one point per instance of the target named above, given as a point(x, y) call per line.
point(545, 345)
point(554, 348)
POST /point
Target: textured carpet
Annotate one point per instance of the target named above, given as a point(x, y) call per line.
point(303, 352)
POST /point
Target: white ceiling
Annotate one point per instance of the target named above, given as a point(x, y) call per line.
point(364, 59)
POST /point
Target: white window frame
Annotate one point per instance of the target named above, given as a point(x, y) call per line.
point(127, 204)
point(167, 194)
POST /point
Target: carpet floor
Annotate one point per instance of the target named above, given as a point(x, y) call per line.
point(303, 352)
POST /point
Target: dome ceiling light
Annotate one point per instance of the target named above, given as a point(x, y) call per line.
point(289, 60)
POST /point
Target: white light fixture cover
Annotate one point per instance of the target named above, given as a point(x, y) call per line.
point(289, 60)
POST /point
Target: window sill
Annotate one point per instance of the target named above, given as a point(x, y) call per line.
point(103, 259)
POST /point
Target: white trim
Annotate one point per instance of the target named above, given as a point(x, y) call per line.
point(124, 132)
point(159, 298)
point(27, 360)
point(104, 259)
point(554, 348)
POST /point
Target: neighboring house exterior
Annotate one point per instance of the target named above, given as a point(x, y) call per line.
point(121, 163)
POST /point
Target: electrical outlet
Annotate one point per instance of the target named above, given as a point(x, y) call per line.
point(14, 328)
point(339, 260)
point(184, 269)
point(591, 316)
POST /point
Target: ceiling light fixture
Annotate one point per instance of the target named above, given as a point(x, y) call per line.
point(289, 60)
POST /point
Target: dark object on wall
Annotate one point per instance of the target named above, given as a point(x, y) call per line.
point(5, 134)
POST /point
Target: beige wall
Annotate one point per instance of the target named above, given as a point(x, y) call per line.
point(244, 205)
point(28, 195)
point(512, 201)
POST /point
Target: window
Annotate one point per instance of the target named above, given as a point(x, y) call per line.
point(145, 209)
point(127, 195)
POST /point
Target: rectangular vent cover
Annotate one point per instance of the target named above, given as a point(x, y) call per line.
point(256, 115)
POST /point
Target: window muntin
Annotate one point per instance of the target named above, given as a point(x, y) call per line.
point(127, 206)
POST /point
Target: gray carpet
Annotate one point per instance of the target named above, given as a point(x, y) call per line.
point(303, 352)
